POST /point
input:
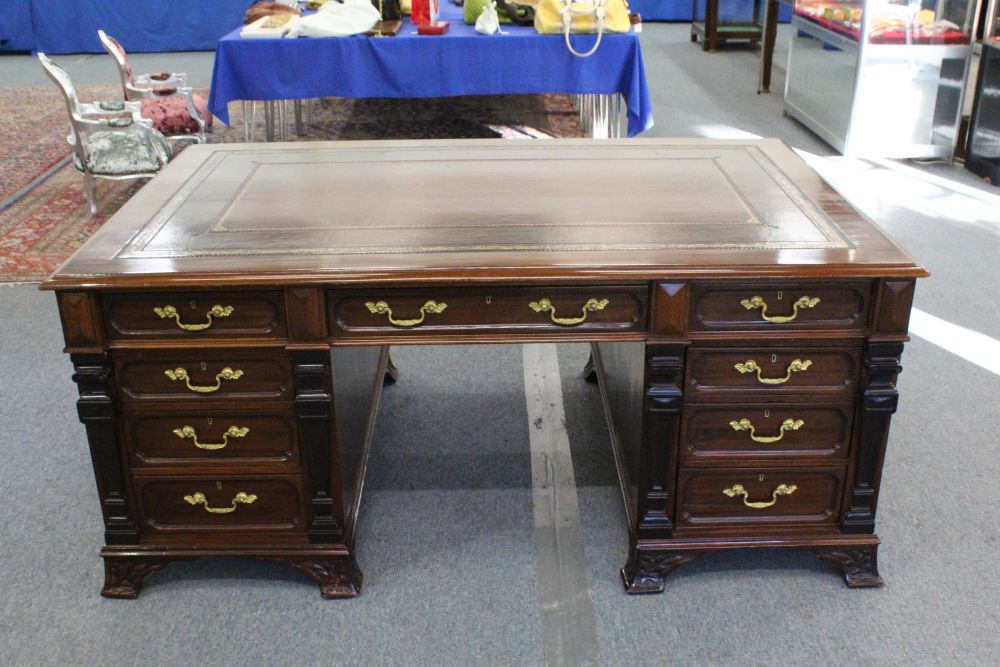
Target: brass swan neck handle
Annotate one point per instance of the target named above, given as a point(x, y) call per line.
point(170, 312)
point(181, 375)
point(382, 308)
point(749, 366)
point(747, 425)
point(758, 302)
point(199, 498)
point(780, 490)
point(188, 432)
point(591, 305)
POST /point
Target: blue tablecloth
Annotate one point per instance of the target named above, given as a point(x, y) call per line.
point(70, 26)
point(461, 62)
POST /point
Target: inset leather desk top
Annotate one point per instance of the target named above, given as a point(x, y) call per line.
point(482, 210)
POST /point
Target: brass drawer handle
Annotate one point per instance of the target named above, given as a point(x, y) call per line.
point(200, 499)
point(781, 490)
point(168, 311)
point(749, 366)
point(758, 302)
point(544, 305)
point(189, 432)
point(747, 425)
point(226, 373)
point(382, 308)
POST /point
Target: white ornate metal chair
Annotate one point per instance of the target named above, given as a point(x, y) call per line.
point(110, 139)
point(162, 87)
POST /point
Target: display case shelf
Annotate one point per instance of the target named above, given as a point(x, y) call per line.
point(880, 79)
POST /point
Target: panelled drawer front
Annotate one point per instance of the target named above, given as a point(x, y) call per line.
point(203, 375)
point(724, 497)
point(482, 310)
point(201, 503)
point(776, 306)
point(761, 372)
point(195, 315)
point(763, 431)
point(205, 440)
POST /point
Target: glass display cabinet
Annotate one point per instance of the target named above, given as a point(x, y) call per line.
point(880, 78)
point(983, 149)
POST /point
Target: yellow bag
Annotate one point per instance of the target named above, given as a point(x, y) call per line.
point(565, 16)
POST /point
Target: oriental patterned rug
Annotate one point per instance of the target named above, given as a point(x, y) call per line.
point(44, 217)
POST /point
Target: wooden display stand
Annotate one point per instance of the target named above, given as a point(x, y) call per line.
point(713, 33)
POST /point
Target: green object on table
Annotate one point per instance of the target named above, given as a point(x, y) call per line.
point(473, 8)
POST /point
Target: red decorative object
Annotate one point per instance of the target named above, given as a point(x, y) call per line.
point(433, 28)
point(424, 11)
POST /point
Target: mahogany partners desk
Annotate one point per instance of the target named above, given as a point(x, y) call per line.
point(229, 330)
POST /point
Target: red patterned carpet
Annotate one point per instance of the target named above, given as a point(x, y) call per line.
point(44, 217)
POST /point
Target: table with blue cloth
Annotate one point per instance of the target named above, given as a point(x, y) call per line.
point(460, 62)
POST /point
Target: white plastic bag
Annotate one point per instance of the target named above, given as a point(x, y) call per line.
point(335, 19)
point(488, 22)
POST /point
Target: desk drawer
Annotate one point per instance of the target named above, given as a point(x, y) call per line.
point(198, 504)
point(406, 313)
point(204, 375)
point(765, 431)
point(759, 372)
point(773, 307)
point(758, 498)
point(195, 315)
point(206, 440)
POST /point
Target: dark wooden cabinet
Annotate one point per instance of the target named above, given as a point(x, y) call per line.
point(982, 155)
point(746, 325)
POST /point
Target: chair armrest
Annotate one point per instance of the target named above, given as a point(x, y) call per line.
point(110, 109)
point(172, 80)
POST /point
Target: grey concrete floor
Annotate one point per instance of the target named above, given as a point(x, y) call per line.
point(447, 539)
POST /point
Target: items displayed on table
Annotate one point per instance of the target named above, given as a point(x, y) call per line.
point(337, 19)
point(488, 22)
point(521, 12)
point(389, 10)
point(269, 27)
point(433, 28)
point(424, 11)
point(261, 10)
point(341, 18)
point(472, 9)
point(553, 17)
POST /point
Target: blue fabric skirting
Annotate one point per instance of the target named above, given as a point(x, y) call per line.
point(70, 26)
point(680, 10)
point(16, 32)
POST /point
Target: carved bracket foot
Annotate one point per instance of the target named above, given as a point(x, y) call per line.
point(590, 370)
point(858, 563)
point(337, 576)
point(391, 372)
point(646, 570)
point(123, 577)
